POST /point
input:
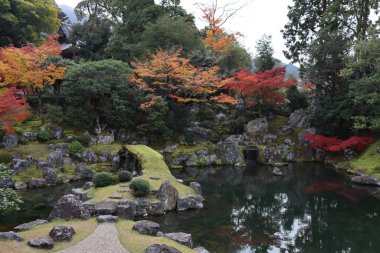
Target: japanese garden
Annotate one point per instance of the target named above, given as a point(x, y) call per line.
point(142, 126)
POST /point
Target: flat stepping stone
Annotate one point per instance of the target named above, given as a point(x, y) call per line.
point(107, 218)
point(146, 227)
point(116, 196)
point(104, 239)
point(122, 190)
point(124, 185)
point(182, 238)
point(155, 178)
point(30, 225)
point(41, 243)
point(11, 236)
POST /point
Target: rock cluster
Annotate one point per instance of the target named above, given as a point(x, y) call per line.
point(69, 207)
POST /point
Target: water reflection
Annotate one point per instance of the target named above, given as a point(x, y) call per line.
point(309, 209)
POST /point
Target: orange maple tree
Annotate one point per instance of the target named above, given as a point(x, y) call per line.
point(261, 89)
point(12, 109)
point(25, 67)
point(168, 75)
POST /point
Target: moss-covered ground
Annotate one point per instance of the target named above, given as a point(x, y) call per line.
point(137, 243)
point(82, 229)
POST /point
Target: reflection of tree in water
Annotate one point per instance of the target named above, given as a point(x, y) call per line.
point(304, 211)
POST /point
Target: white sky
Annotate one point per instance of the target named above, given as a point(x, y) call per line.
point(258, 18)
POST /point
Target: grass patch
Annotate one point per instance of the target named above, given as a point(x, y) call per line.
point(26, 176)
point(189, 150)
point(82, 229)
point(29, 126)
point(137, 243)
point(35, 149)
point(111, 149)
point(277, 122)
point(369, 160)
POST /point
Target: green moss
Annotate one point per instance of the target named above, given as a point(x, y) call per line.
point(111, 149)
point(368, 160)
point(137, 243)
point(189, 150)
point(38, 150)
point(82, 230)
point(277, 122)
point(261, 158)
point(26, 176)
point(29, 126)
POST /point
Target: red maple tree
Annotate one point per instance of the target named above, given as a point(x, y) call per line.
point(261, 89)
point(12, 109)
point(334, 144)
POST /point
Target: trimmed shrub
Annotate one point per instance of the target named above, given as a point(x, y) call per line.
point(75, 147)
point(85, 139)
point(140, 187)
point(5, 157)
point(43, 136)
point(124, 176)
point(102, 179)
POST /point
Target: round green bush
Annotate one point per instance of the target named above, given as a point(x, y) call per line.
point(43, 136)
point(140, 187)
point(124, 176)
point(5, 157)
point(75, 147)
point(102, 179)
point(85, 139)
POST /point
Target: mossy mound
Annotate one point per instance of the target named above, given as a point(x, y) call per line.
point(82, 230)
point(369, 160)
point(137, 243)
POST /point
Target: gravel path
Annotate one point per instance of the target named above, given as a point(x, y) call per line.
point(103, 240)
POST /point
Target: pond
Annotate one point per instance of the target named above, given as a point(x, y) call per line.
point(309, 209)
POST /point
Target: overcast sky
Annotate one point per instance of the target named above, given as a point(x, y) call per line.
point(258, 18)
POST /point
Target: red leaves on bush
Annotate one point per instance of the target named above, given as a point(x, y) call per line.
point(334, 144)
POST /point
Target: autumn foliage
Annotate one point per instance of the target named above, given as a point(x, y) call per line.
point(334, 144)
point(12, 109)
point(168, 75)
point(24, 67)
point(261, 89)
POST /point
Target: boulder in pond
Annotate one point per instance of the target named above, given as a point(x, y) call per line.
point(50, 176)
point(366, 180)
point(142, 206)
point(41, 243)
point(69, 207)
point(229, 152)
point(10, 236)
point(107, 219)
point(146, 227)
point(62, 233)
point(161, 248)
point(37, 183)
point(156, 208)
point(200, 249)
point(182, 238)
point(192, 201)
point(196, 187)
point(20, 186)
point(277, 172)
point(30, 225)
point(168, 194)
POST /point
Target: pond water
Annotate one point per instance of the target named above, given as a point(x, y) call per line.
point(309, 209)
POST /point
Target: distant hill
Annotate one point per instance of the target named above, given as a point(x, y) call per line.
point(70, 13)
point(292, 70)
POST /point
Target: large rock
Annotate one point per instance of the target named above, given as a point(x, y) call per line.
point(83, 172)
point(146, 227)
point(196, 187)
point(190, 202)
point(366, 180)
point(221, 119)
point(142, 206)
point(30, 136)
point(296, 117)
point(50, 176)
point(89, 157)
point(10, 236)
point(30, 225)
point(69, 207)
point(107, 219)
point(19, 165)
point(41, 243)
point(43, 165)
point(106, 139)
point(37, 183)
point(199, 133)
point(168, 194)
point(161, 248)
point(126, 210)
point(62, 233)
point(88, 185)
point(257, 126)
point(156, 208)
point(182, 238)
point(180, 160)
point(82, 195)
point(7, 182)
point(229, 152)
point(106, 208)
point(55, 158)
point(170, 149)
point(9, 141)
